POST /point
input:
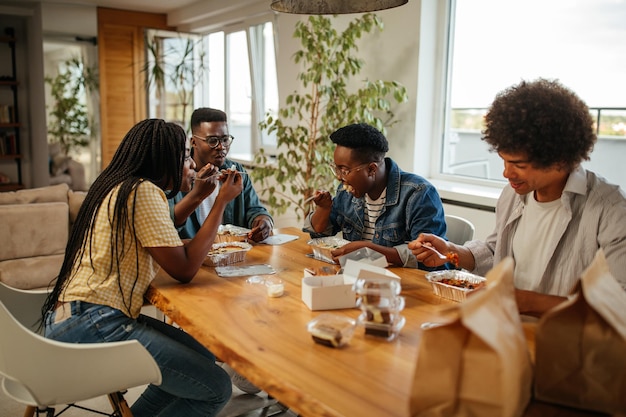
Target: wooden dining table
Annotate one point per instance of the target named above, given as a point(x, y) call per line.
point(266, 340)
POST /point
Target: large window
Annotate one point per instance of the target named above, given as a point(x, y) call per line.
point(232, 70)
point(494, 44)
point(242, 81)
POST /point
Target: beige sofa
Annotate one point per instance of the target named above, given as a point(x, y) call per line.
point(34, 228)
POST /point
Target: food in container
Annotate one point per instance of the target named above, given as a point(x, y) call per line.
point(387, 331)
point(454, 284)
point(372, 289)
point(323, 246)
point(227, 253)
point(331, 330)
point(385, 311)
point(275, 287)
point(231, 233)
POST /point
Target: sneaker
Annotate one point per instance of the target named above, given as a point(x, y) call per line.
point(239, 381)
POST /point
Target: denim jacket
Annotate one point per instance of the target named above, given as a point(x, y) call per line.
point(241, 211)
point(412, 206)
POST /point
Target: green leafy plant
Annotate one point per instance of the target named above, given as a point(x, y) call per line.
point(302, 127)
point(70, 123)
point(174, 67)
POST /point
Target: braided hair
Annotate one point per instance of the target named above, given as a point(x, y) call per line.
point(152, 150)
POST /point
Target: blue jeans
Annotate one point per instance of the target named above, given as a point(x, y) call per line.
point(193, 384)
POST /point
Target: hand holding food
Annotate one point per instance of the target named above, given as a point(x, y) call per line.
point(232, 185)
point(429, 250)
point(205, 181)
point(261, 228)
point(321, 198)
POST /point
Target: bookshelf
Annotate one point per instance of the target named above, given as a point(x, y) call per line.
point(9, 118)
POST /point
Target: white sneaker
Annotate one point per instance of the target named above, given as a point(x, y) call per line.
point(239, 381)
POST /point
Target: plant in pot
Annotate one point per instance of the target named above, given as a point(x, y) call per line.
point(70, 125)
point(302, 127)
point(175, 66)
point(69, 122)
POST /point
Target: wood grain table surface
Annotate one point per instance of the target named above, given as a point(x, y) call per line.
point(266, 339)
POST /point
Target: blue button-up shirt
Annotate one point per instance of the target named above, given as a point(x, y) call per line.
point(412, 206)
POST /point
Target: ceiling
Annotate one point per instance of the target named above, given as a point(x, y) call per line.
point(153, 6)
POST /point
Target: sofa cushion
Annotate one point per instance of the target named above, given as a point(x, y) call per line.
point(33, 229)
point(31, 273)
point(75, 199)
point(48, 194)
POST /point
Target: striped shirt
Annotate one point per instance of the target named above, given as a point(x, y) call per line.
point(373, 208)
point(153, 227)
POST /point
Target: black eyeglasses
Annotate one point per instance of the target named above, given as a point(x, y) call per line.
point(344, 172)
point(213, 141)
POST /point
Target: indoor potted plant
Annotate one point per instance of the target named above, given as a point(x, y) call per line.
point(302, 127)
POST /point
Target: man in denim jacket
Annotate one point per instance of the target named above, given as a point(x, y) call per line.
point(210, 143)
point(377, 205)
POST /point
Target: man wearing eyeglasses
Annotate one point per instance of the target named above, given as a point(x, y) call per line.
point(377, 205)
point(210, 144)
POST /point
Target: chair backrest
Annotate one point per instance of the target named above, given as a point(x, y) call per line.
point(42, 372)
point(460, 230)
point(24, 305)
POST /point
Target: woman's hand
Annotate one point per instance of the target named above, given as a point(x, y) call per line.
point(232, 185)
point(206, 181)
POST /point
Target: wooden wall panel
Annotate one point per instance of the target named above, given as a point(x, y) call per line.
point(121, 57)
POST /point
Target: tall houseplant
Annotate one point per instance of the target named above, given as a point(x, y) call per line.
point(174, 67)
point(70, 123)
point(302, 127)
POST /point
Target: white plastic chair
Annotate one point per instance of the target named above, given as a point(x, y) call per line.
point(460, 230)
point(41, 373)
point(24, 305)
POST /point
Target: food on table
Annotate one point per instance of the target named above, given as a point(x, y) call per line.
point(226, 253)
point(224, 249)
point(455, 284)
point(322, 270)
point(331, 329)
point(327, 335)
point(454, 258)
point(462, 283)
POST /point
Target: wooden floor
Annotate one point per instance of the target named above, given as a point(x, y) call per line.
point(240, 405)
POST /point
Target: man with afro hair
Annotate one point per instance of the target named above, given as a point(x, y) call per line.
point(553, 215)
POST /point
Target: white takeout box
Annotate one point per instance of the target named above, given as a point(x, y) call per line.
point(331, 292)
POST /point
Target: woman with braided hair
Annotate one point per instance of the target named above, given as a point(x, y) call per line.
point(122, 235)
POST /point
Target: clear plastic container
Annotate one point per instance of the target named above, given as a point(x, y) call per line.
point(227, 253)
point(371, 290)
point(388, 331)
point(454, 284)
point(323, 246)
point(331, 330)
point(384, 312)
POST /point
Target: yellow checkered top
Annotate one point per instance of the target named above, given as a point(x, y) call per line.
point(95, 278)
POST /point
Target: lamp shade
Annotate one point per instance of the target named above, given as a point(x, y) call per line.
point(333, 6)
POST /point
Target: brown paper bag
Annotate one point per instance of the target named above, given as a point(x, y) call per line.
point(581, 345)
point(478, 363)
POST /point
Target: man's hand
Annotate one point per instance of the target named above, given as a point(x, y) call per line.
point(261, 228)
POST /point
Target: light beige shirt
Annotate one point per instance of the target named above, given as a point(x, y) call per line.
point(594, 217)
point(95, 281)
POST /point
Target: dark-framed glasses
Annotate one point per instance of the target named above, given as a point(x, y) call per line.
point(344, 172)
point(213, 141)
